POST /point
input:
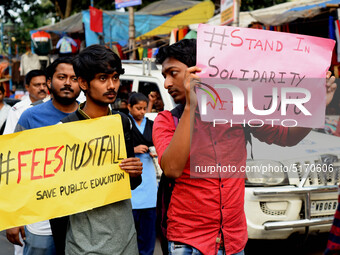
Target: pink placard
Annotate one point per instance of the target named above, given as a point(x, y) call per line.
point(258, 76)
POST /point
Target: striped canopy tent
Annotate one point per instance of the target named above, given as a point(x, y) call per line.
point(168, 7)
point(290, 11)
point(281, 13)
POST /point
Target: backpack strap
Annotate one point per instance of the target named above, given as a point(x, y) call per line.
point(127, 124)
point(127, 129)
point(177, 113)
point(71, 117)
point(247, 135)
point(2, 129)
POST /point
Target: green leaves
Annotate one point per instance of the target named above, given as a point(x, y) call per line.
point(250, 5)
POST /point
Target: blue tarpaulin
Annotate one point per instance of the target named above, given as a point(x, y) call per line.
point(116, 26)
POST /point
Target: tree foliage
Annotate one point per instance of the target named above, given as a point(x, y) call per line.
point(30, 14)
point(250, 5)
point(26, 15)
point(78, 5)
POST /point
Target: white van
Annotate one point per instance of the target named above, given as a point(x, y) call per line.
point(144, 77)
point(301, 196)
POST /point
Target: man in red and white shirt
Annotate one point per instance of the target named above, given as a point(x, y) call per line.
point(205, 215)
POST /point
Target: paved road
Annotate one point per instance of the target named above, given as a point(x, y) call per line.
point(314, 245)
point(6, 248)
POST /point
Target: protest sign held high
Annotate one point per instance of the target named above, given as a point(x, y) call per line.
point(262, 77)
point(60, 170)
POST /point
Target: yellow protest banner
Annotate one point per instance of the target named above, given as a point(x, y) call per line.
point(60, 170)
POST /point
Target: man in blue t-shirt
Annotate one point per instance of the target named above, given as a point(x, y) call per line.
point(63, 85)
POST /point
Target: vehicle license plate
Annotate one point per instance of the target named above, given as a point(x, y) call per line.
point(323, 207)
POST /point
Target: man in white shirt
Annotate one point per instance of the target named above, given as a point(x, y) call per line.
point(29, 61)
point(37, 90)
point(4, 109)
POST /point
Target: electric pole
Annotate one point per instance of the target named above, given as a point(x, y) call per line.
point(132, 34)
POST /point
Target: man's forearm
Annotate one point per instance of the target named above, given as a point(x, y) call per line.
point(296, 134)
point(176, 154)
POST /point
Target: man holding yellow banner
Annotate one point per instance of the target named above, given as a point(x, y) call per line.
point(108, 229)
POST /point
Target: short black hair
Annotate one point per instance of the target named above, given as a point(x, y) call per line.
point(33, 73)
point(184, 51)
point(50, 70)
point(135, 98)
point(2, 89)
point(96, 59)
point(254, 23)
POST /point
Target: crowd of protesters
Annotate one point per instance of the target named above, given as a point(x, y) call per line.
point(196, 215)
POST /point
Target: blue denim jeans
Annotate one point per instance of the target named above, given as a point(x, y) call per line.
point(38, 244)
point(184, 249)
